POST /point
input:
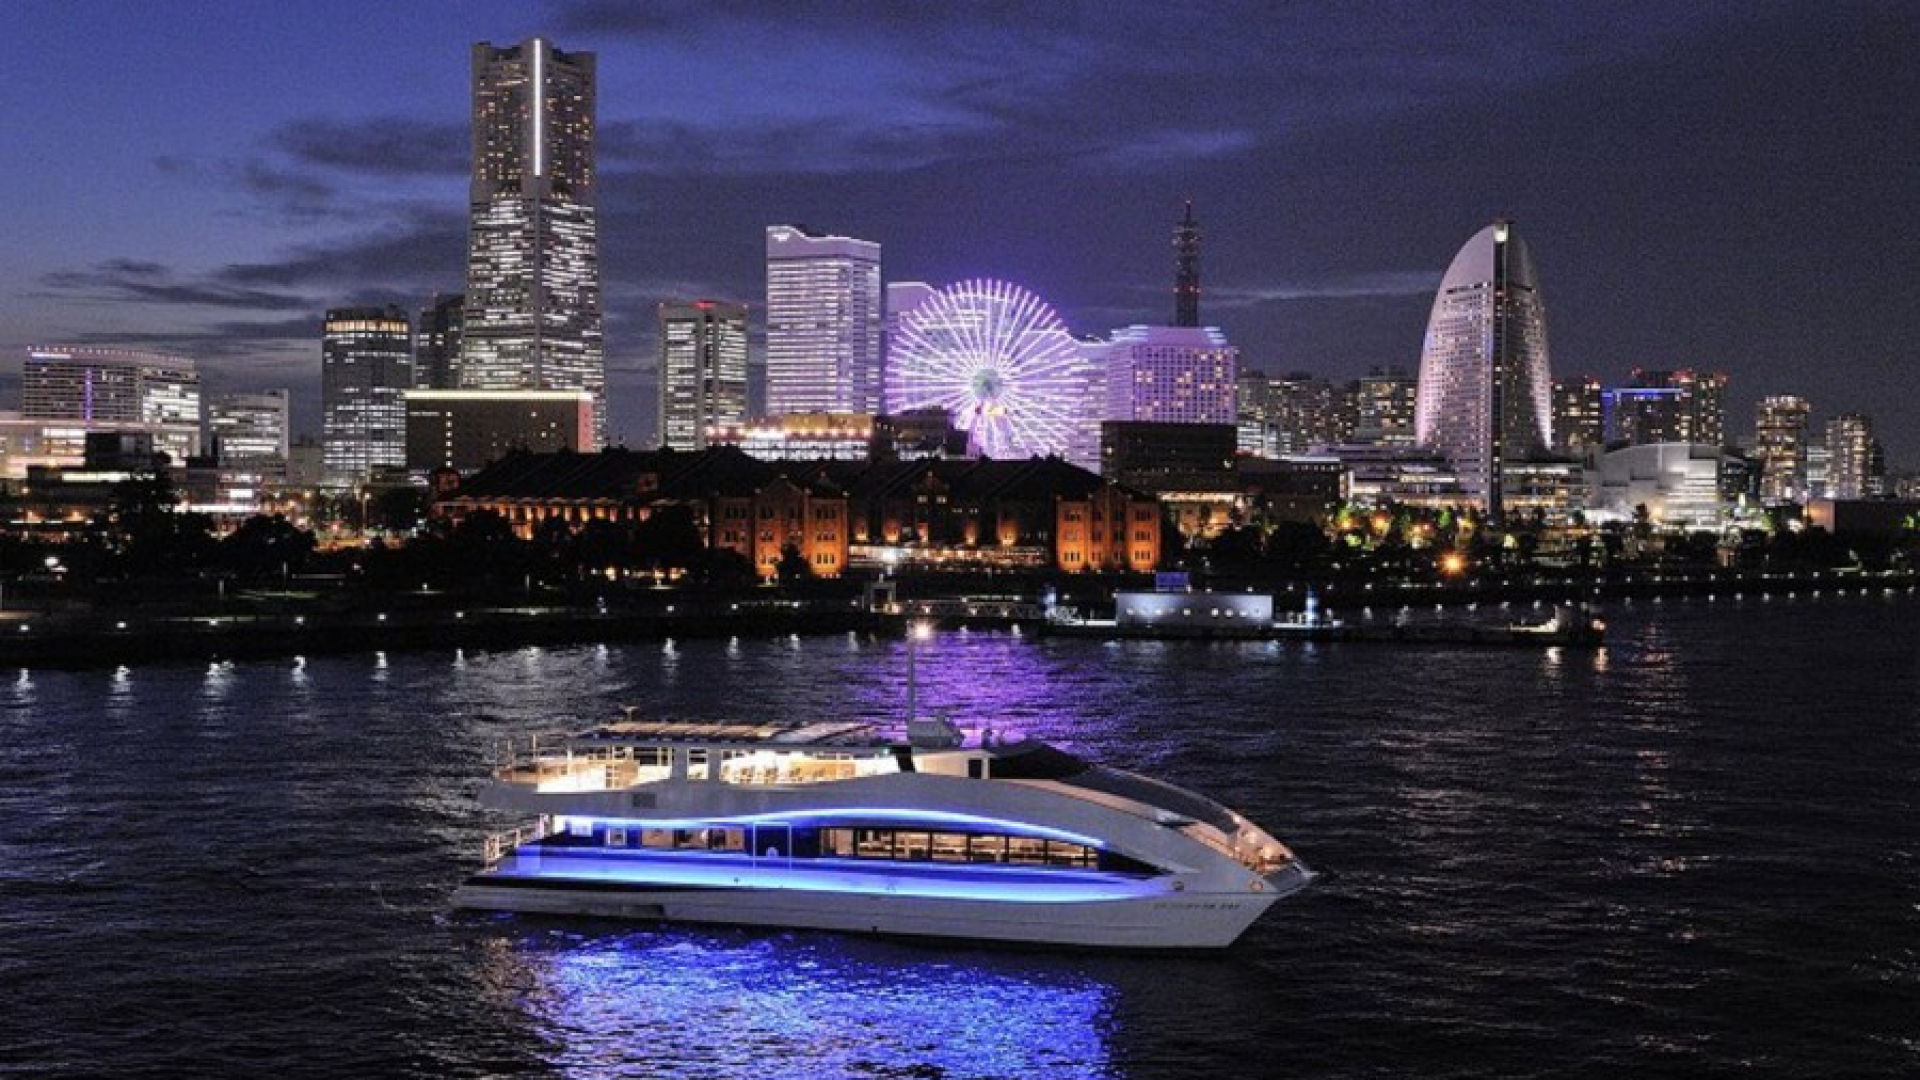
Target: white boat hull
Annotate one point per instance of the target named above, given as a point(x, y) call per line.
point(1164, 920)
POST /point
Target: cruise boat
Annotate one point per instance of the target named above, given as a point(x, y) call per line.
point(829, 826)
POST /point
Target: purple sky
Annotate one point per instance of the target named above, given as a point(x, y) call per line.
point(1723, 185)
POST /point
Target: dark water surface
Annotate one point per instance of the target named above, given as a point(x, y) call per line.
point(1695, 854)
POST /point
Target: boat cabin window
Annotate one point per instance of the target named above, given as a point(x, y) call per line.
point(811, 766)
point(914, 845)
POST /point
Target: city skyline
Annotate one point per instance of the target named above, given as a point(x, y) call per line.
point(1682, 181)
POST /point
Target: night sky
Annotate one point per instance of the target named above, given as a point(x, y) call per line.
point(1732, 186)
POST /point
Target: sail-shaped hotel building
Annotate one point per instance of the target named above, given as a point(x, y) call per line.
point(1485, 387)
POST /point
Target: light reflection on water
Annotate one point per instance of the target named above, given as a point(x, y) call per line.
point(718, 1004)
point(1692, 853)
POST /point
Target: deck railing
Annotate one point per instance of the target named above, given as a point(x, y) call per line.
point(498, 846)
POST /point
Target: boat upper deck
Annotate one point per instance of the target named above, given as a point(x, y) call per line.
point(850, 734)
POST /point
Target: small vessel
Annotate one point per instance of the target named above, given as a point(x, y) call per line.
point(1563, 624)
point(829, 826)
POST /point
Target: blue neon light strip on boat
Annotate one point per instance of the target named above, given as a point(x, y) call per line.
point(958, 883)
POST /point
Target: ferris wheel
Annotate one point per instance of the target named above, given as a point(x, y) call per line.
point(1002, 364)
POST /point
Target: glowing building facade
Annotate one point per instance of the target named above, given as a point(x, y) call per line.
point(1170, 375)
point(249, 429)
point(703, 371)
point(1780, 442)
point(824, 322)
point(532, 313)
point(1383, 406)
point(366, 369)
point(110, 389)
point(1850, 457)
point(1485, 382)
point(1683, 406)
point(1579, 415)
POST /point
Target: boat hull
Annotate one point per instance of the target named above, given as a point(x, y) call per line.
point(1172, 920)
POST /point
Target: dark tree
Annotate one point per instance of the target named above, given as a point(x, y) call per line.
point(265, 547)
point(793, 567)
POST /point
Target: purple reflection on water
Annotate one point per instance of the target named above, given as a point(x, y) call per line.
point(669, 1002)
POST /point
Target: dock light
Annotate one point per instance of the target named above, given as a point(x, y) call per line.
point(1453, 564)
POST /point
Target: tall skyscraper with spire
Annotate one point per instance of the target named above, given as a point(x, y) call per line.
point(1485, 395)
point(1186, 270)
point(532, 318)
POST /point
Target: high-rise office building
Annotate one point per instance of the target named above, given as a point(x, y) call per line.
point(1308, 412)
point(1485, 381)
point(436, 360)
point(1186, 270)
point(366, 369)
point(824, 320)
point(1255, 431)
point(1850, 447)
point(248, 429)
point(1579, 415)
point(1383, 407)
point(1780, 442)
point(532, 311)
point(703, 371)
point(116, 389)
point(1680, 406)
point(1170, 375)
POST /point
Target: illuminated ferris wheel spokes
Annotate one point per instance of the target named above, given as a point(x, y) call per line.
point(1000, 361)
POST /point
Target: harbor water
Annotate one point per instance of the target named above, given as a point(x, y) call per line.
point(1693, 853)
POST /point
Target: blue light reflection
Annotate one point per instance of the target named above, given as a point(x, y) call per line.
point(684, 1002)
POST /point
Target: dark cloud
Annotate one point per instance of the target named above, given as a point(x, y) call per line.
point(419, 254)
point(291, 193)
point(126, 281)
point(393, 146)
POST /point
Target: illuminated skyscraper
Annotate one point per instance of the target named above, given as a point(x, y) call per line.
point(1255, 431)
point(703, 371)
point(1308, 413)
point(1485, 384)
point(1850, 445)
point(1682, 406)
point(1579, 419)
point(823, 323)
point(366, 369)
point(532, 318)
point(1383, 407)
point(1170, 375)
point(1780, 442)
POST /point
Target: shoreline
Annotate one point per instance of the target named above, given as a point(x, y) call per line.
point(232, 630)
